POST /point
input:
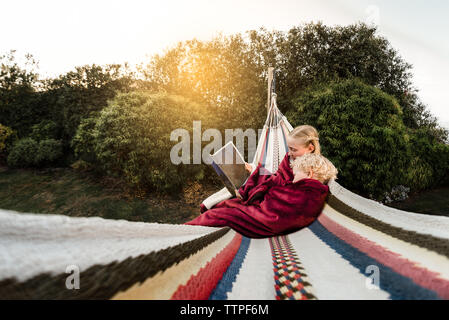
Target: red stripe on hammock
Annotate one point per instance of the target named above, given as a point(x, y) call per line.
point(201, 285)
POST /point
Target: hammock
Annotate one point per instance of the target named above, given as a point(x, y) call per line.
point(356, 249)
point(270, 151)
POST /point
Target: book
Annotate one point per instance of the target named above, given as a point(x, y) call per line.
point(217, 197)
point(229, 164)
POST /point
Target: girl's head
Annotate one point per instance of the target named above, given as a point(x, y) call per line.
point(302, 140)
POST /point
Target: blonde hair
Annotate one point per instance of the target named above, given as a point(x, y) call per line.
point(323, 169)
point(307, 135)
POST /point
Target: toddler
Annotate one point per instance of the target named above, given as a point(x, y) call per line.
point(313, 166)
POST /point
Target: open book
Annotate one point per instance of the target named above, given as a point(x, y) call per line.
point(230, 167)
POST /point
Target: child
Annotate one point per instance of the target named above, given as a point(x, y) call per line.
point(279, 205)
point(301, 140)
point(313, 166)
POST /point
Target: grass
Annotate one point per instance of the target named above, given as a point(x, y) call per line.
point(434, 202)
point(68, 192)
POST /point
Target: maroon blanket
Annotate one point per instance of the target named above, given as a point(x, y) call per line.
point(271, 204)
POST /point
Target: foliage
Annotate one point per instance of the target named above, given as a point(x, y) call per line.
point(78, 93)
point(429, 160)
point(28, 104)
point(132, 139)
point(48, 152)
point(219, 74)
point(18, 97)
point(23, 153)
point(46, 129)
point(361, 131)
point(27, 152)
point(83, 143)
point(229, 74)
point(5, 135)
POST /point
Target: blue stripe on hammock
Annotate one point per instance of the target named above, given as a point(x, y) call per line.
point(225, 285)
point(398, 286)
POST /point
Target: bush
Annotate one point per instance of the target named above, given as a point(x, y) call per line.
point(48, 152)
point(27, 152)
point(430, 161)
point(46, 129)
point(132, 139)
point(7, 139)
point(83, 143)
point(361, 131)
point(23, 153)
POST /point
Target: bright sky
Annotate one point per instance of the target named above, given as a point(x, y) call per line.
point(69, 33)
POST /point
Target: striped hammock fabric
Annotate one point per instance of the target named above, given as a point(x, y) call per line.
point(356, 249)
point(270, 151)
point(272, 147)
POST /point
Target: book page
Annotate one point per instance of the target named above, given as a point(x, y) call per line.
point(232, 165)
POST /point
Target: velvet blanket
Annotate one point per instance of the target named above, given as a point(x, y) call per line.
point(271, 204)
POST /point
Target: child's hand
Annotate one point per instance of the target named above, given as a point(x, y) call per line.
point(238, 194)
point(248, 167)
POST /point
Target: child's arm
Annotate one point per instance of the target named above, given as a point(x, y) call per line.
point(254, 179)
point(264, 181)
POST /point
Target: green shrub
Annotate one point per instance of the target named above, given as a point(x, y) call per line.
point(7, 137)
point(83, 143)
point(132, 139)
point(23, 153)
point(430, 161)
point(361, 131)
point(48, 152)
point(27, 152)
point(46, 129)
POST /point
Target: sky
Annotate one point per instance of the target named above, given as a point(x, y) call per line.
point(62, 34)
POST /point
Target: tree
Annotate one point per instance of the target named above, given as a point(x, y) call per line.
point(18, 96)
point(131, 138)
point(28, 152)
point(429, 160)
point(7, 138)
point(76, 94)
point(218, 74)
point(229, 74)
point(361, 132)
